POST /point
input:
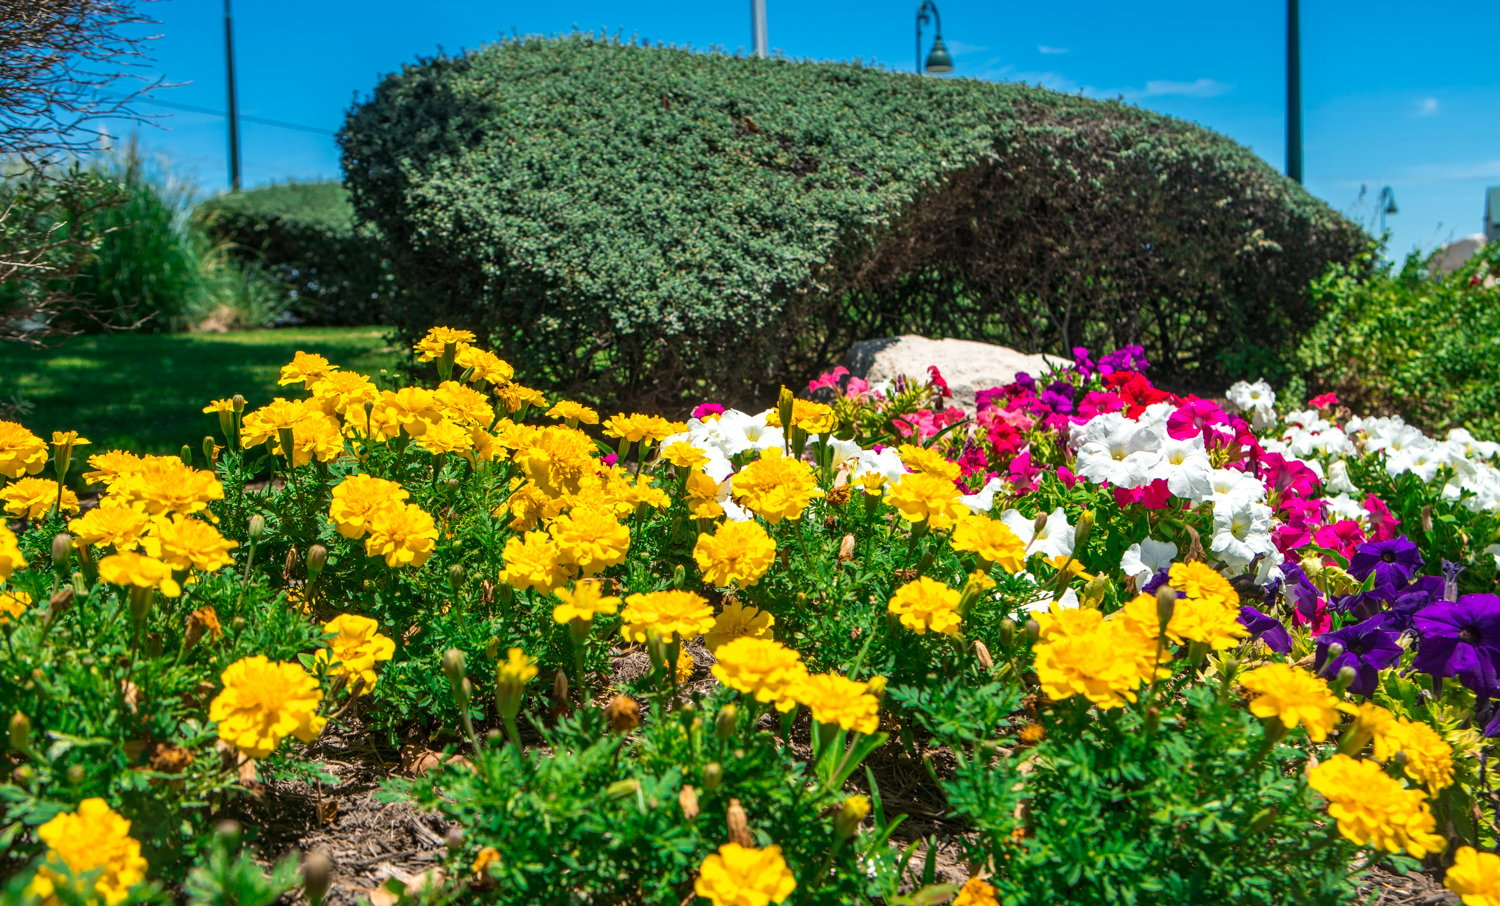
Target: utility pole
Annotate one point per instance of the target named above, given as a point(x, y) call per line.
point(234, 110)
point(1293, 92)
point(758, 27)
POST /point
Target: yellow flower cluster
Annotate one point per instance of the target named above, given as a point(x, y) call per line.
point(376, 510)
point(1292, 696)
point(774, 674)
point(93, 841)
point(673, 615)
point(1429, 757)
point(1475, 877)
point(739, 621)
point(776, 487)
point(926, 498)
point(807, 416)
point(925, 605)
point(992, 541)
point(1374, 809)
point(21, 452)
point(13, 603)
point(31, 498)
point(1103, 659)
point(976, 892)
point(353, 651)
point(10, 553)
point(737, 552)
point(265, 701)
point(583, 602)
point(742, 876)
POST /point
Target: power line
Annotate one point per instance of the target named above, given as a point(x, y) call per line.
point(189, 108)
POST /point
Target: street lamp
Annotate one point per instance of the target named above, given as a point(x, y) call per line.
point(234, 107)
point(1385, 203)
point(939, 60)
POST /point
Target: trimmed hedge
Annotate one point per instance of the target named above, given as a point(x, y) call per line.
point(305, 236)
point(624, 220)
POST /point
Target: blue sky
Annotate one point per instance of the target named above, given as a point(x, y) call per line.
point(1394, 93)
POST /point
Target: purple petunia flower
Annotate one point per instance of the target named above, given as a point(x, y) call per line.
point(1461, 639)
point(1368, 647)
point(1393, 562)
point(1267, 629)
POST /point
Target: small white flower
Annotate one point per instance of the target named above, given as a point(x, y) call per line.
point(1142, 560)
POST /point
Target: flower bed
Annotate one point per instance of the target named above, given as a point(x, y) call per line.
point(1096, 643)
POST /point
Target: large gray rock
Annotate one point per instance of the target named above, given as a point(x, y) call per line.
point(1454, 255)
point(967, 366)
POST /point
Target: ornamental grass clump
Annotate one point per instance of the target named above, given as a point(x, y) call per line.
point(664, 638)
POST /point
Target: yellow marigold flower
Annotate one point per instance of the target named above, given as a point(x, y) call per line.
point(404, 534)
point(483, 365)
point(925, 459)
point(763, 668)
point(357, 498)
point(13, 603)
point(266, 423)
point(69, 439)
point(355, 648)
point(776, 487)
point(684, 455)
point(736, 552)
point(584, 601)
point(514, 396)
point(976, 893)
point(444, 436)
point(1105, 661)
point(21, 452)
point(740, 876)
point(93, 839)
point(569, 411)
point(112, 523)
point(482, 862)
point(703, 496)
point(164, 484)
point(217, 406)
point(591, 538)
point(739, 621)
point(1374, 809)
point(464, 405)
point(512, 675)
point(669, 614)
point(31, 498)
point(111, 464)
point(1429, 757)
point(638, 428)
point(409, 410)
point(814, 418)
point(992, 540)
point(641, 493)
point(1206, 620)
point(265, 701)
point(131, 569)
point(305, 367)
point(534, 561)
point(839, 701)
point(185, 543)
point(10, 553)
point(1201, 581)
point(925, 497)
point(1294, 697)
point(555, 458)
point(438, 339)
point(1475, 877)
point(343, 393)
point(927, 604)
point(685, 665)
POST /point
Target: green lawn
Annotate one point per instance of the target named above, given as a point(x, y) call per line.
point(145, 392)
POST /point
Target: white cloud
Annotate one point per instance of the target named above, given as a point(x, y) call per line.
point(959, 47)
point(1428, 107)
point(1163, 88)
point(1042, 48)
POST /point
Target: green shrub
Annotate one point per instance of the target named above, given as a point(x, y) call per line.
point(657, 225)
point(1410, 342)
point(305, 237)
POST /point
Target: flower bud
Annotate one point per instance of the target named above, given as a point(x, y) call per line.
point(186, 455)
point(257, 527)
point(1095, 590)
point(1345, 678)
point(453, 668)
point(982, 653)
point(623, 789)
point(623, 714)
point(20, 732)
point(854, 811)
point(1399, 759)
point(656, 647)
point(75, 774)
point(456, 577)
point(62, 553)
point(140, 603)
point(1153, 720)
point(1039, 523)
point(454, 839)
point(725, 722)
point(713, 776)
point(1084, 528)
point(846, 549)
point(211, 449)
point(1166, 604)
point(1007, 633)
point(317, 558)
point(1033, 631)
point(688, 800)
point(875, 685)
point(738, 824)
point(1334, 651)
point(61, 602)
point(317, 875)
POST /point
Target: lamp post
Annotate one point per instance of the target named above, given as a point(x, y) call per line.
point(234, 110)
point(1385, 203)
point(939, 60)
point(1293, 91)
